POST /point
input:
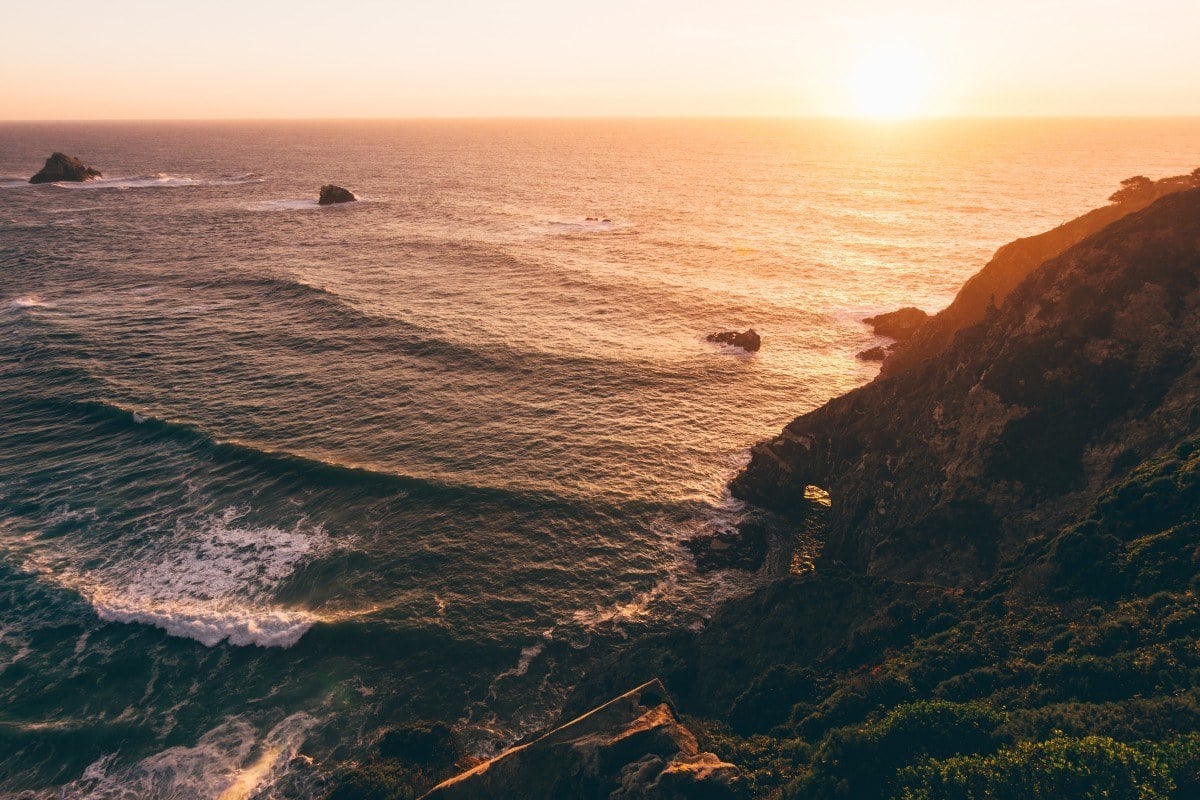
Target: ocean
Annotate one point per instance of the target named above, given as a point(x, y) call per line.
point(275, 477)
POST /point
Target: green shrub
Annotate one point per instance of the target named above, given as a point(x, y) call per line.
point(861, 763)
point(1091, 768)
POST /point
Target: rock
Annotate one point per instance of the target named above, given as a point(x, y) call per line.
point(941, 472)
point(873, 354)
point(630, 748)
point(331, 194)
point(748, 341)
point(743, 547)
point(898, 325)
point(62, 167)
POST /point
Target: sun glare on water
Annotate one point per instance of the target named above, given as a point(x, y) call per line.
point(890, 83)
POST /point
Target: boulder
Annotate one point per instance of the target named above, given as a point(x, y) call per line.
point(630, 748)
point(748, 340)
point(331, 194)
point(899, 325)
point(873, 354)
point(62, 167)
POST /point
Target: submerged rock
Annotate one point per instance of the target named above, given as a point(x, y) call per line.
point(331, 194)
point(62, 167)
point(898, 325)
point(630, 748)
point(748, 340)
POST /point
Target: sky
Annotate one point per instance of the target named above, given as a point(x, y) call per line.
point(190, 59)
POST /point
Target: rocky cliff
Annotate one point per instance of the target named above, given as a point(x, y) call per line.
point(1011, 264)
point(940, 472)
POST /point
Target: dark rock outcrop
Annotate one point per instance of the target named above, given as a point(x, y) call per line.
point(743, 547)
point(873, 354)
point(630, 748)
point(749, 340)
point(1011, 264)
point(331, 194)
point(62, 167)
point(899, 325)
point(939, 473)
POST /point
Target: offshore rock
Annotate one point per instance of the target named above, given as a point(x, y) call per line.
point(62, 167)
point(331, 194)
point(630, 748)
point(938, 473)
point(749, 340)
point(899, 325)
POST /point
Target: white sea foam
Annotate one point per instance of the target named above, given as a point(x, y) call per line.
point(212, 580)
point(158, 180)
point(590, 225)
point(29, 301)
point(528, 654)
point(229, 762)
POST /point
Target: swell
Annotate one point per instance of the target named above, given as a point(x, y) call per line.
point(307, 468)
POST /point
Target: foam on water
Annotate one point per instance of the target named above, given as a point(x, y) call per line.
point(230, 762)
point(29, 301)
point(158, 180)
point(211, 581)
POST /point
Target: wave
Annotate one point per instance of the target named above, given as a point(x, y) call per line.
point(230, 762)
point(304, 467)
point(29, 301)
point(587, 225)
point(159, 180)
point(302, 204)
point(212, 579)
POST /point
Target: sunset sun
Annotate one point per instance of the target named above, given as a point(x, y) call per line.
point(889, 83)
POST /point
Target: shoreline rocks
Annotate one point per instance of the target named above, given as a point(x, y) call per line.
point(899, 325)
point(743, 547)
point(748, 340)
point(633, 747)
point(331, 194)
point(62, 167)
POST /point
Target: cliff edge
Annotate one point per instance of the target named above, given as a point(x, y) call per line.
point(937, 473)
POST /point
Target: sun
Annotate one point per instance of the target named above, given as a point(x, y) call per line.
point(890, 82)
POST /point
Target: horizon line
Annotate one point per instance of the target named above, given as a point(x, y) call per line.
point(621, 118)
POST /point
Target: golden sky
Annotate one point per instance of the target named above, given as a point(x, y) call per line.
point(403, 58)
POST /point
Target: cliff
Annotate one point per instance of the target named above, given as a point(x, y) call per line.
point(1011, 264)
point(941, 472)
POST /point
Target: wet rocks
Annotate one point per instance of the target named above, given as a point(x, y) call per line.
point(62, 167)
point(898, 325)
point(749, 340)
point(631, 748)
point(331, 194)
point(873, 354)
point(743, 547)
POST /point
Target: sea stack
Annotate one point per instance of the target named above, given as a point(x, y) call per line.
point(749, 340)
point(331, 194)
point(62, 167)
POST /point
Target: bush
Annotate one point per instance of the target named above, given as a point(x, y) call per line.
point(1091, 768)
point(861, 763)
